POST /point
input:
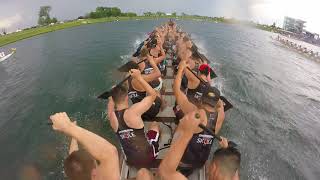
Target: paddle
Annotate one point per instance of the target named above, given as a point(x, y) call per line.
point(107, 94)
point(129, 65)
point(132, 65)
point(202, 57)
point(136, 54)
point(227, 104)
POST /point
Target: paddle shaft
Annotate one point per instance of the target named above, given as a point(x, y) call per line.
point(196, 75)
point(124, 80)
point(106, 94)
point(209, 131)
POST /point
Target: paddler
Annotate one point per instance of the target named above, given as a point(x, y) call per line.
point(151, 74)
point(211, 111)
point(81, 164)
point(157, 52)
point(190, 84)
point(195, 86)
point(140, 149)
point(225, 164)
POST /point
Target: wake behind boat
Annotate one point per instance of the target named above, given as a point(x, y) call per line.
point(3, 56)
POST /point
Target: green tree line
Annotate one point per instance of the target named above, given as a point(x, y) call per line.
point(102, 12)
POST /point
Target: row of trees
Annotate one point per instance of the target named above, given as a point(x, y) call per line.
point(102, 12)
point(154, 14)
point(44, 16)
point(158, 14)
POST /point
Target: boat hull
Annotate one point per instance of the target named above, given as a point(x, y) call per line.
point(6, 57)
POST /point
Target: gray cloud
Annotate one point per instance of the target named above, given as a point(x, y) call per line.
point(23, 13)
point(70, 9)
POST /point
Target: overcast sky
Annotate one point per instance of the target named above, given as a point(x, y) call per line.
point(16, 14)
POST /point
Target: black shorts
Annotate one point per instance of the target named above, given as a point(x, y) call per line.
point(186, 171)
point(147, 160)
point(152, 111)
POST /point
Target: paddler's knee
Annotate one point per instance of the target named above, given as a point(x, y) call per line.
point(144, 174)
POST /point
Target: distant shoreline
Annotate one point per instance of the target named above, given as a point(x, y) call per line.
point(24, 34)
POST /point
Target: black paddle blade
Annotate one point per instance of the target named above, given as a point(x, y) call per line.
point(213, 74)
point(137, 53)
point(129, 65)
point(232, 144)
point(104, 95)
point(227, 104)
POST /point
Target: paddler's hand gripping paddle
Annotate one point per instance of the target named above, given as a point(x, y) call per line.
point(125, 68)
point(230, 143)
point(107, 94)
point(129, 65)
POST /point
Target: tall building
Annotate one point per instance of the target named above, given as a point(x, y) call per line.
point(293, 25)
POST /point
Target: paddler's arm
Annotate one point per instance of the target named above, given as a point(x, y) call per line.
point(156, 73)
point(193, 81)
point(96, 146)
point(147, 77)
point(187, 126)
point(160, 58)
point(74, 144)
point(112, 115)
point(181, 98)
point(142, 106)
point(220, 118)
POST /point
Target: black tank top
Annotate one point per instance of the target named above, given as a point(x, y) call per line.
point(194, 95)
point(199, 147)
point(147, 70)
point(133, 141)
point(162, 66)
point(134, 95)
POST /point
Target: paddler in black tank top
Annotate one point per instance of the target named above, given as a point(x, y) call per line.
point(192, 86)
point(157, 52)
point(195, 86)
point(151, 74)
point(140, 149)
point(211, 111)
